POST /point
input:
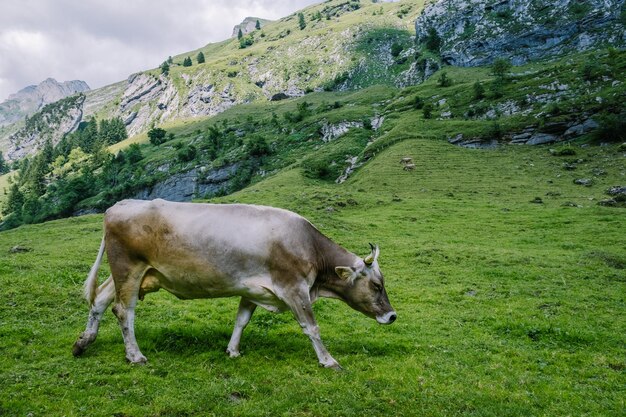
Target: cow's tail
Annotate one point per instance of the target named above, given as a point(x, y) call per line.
point(91, 285)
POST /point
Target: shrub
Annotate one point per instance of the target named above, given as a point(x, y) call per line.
point(497, 88)
point(187, 62)
point(427, 109)
point(156, 136)
point(432, 41)
point(200, 58)
point(479, 91)
point(612, 128)
point(591, 71)
point(301, 21)
point(396, 49)
point(187, 153)
point(444, 80)
point(501, 67)
point(418, 102)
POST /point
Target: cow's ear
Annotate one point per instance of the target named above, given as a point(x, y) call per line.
point(346, 273)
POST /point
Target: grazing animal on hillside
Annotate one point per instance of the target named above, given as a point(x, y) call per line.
point(406, 160)
point(409, 167)
point(269, 257)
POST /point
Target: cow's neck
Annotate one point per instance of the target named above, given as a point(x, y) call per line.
point(330, 256)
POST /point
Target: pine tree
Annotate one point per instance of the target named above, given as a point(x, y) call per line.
point(258, 25)
point(187, 62)
point(239, 34)
point(165, 68)
point(200, 58)
point(3, 165)
point(301, 21)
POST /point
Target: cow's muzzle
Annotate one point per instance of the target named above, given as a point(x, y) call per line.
point(387, 318)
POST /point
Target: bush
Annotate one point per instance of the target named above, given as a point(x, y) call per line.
point(591, 71)
point(200, 58)
point(501, 67)
point(612, 128)
point(427, 109)
point(257, 146)
point(187, 153)
point(444, 80)
point(156, 136)
point(245, 42)
point(418, 102)
point(479, 91)
point(187, 62)
point(497, 88)
point(432, 41)
point(396, 49)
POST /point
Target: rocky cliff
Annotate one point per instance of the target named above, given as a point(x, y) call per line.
point(32, 98)
point(248, 25)
point(475, 32)
point(51, 123)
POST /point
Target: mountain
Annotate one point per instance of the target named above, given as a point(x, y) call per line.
point(248, 25)
point(324, 99)
point(349, 45)
point(31, 99)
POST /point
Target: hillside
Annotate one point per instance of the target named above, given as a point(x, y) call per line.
point(505, 306)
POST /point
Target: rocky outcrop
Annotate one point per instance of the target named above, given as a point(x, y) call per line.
point(248, 25)
point(51, 123)
point(331, 132)
point(476, 32)
point(31, 99)
point(191, 184)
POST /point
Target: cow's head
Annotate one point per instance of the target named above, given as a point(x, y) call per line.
point(365, 291)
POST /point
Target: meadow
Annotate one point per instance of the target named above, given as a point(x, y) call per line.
point(506, 305)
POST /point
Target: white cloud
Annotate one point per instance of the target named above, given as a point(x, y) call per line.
point(104, 41)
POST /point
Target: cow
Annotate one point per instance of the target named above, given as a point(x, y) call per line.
point(409, 167)
point(268, 256)
point(406, 160)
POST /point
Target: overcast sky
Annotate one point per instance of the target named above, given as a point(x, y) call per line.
point(104, 41)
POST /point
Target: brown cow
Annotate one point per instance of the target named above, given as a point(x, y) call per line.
point(269, 257)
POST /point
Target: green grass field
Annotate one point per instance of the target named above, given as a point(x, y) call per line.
point(505, 307)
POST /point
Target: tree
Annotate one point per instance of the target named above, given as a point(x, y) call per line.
point(200, 58)
point(444, 80)
point(479, 90)
point(165, 68)
point(156, 135)
point(501, 67)
point(428, 111)
point(170, 60)
point(4, 168)
point(257, 26)
point(187, 62)
point(432, 40)
point(239, 34)
point(301, 21)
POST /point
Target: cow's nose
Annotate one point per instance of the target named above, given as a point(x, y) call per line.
point(392, 317)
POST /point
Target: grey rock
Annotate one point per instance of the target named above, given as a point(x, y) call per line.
point(248, 25)
point(587, 182)
point(477, 32)
point(541, 138)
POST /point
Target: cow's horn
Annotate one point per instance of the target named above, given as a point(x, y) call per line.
point(369, 259)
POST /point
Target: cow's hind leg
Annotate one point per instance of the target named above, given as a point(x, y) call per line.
point(104, 297)
point(128, 277)
point(244, 313)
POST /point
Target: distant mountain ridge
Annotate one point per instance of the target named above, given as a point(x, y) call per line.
point(33, 98)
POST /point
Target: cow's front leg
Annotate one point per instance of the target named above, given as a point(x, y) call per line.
point(299, 302)
point(244, 313)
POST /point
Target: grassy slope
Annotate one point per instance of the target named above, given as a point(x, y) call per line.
point(505, 307)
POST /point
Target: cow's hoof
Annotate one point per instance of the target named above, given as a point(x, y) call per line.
point(233, 353)
point(137, 360)
point(77, 350)
point(332, 365)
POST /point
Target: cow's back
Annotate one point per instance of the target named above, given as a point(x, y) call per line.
point(224, 239)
